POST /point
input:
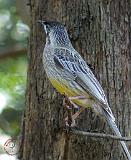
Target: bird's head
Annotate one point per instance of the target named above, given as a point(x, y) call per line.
point(56, 33)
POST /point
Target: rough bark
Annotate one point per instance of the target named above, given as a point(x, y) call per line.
point(100, 31)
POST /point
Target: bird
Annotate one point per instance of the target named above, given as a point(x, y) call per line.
point(71, 76)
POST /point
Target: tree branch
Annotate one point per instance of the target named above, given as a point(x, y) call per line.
point(98, 135)
point(12, 52)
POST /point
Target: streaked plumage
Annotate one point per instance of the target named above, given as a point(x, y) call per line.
point(70, 75)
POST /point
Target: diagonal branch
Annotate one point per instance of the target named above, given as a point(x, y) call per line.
point(98, 135)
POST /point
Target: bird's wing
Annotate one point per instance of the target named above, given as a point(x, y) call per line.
point(71, 61)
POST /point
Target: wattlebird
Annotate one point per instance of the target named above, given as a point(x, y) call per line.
point(71, 76)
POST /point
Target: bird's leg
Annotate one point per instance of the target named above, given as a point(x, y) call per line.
point(74, 116)
point(76, 97)
point(73, 98)
point(76, 106)
point(70, 119)
point(66, 102)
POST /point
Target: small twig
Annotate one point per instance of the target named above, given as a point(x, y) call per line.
point(99, 135)
point(13, 51)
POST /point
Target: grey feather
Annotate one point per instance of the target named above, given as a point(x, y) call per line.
point(71, 61)
point(116, 131)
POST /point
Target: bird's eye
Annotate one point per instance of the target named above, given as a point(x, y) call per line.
point(48, 28)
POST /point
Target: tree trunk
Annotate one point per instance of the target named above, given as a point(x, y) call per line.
point(100, 31)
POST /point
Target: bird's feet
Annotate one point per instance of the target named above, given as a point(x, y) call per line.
point(69, 105)
point(70, 123)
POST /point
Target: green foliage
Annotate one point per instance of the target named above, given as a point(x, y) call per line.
point(13, 73)
point(12, 122)
point(13, 33)
point(12, 85)
point(12, 30)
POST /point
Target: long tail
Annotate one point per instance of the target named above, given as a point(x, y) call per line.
point(117, 132)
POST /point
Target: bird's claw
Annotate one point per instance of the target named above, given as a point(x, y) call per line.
point(70, 123)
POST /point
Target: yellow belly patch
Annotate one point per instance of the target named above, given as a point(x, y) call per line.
point(63, 89)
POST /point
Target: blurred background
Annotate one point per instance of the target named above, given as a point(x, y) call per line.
point(14, 32)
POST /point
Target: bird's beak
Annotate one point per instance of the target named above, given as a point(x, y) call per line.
point(41, 22)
